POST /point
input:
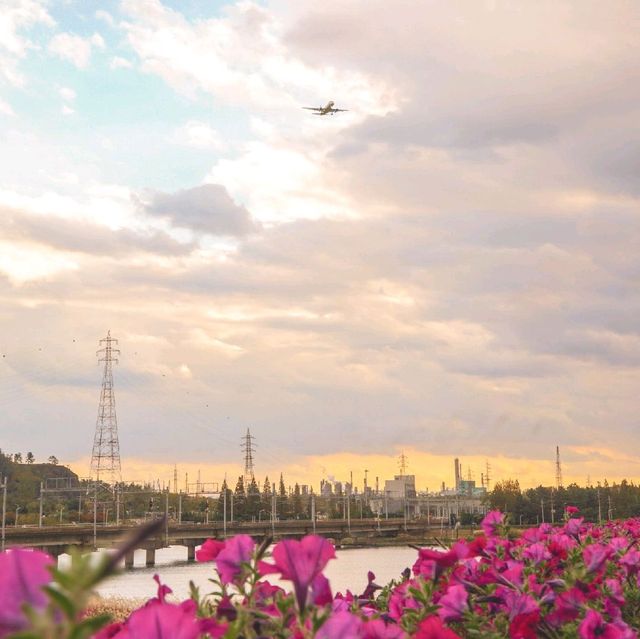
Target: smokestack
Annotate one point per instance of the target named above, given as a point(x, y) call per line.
point(457, 470)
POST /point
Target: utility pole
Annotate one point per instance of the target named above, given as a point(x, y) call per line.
point(273, 513)
point(41, 504)
point(553, 510)
point(4, 511)
point(95, 516)
point(105, 456)
point(117, 506)
point(166, 517)
point(599, 507)
point(610, 510)
point(349, 514)
point(180, 508)
point(224, 511)
point(313, 512)
point(542, 509)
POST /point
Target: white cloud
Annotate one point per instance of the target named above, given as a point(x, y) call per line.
point(119, 63)
point(16, 16)
point(199, 135)
point(75, 48)
point(5, 108)
point(67, 110)
point(101, 14)
point(67, 94)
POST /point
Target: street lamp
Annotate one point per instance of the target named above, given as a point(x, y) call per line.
point(18, 509)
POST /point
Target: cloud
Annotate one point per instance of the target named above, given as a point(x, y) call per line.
point(18, 16)
point(206, 209)
point(120, 63)
point(67, 94)
point(75, 48)
point(199, 135)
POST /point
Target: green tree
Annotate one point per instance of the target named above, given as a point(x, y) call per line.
point(507, 497)
point(239, 500)
point(17, 458)
point(53, 460)
point(253, 500)
point(30, 458)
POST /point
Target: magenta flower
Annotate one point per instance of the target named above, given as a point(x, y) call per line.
point(168, 621)
point(433, 628)
point(491, 522)
point(519, 604)
point(321, 591)
point(595, 556)
point(593, 626)
point(300, 562)
point(536, 553)
point(378, 629)
point(23, 573)
point(341, 625)
point(453, 604)
point(209, 550)
point(229, 561)
point(571, 510)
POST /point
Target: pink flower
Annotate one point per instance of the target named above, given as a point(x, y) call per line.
point(168, 621)
point(300, 562)
point(321, 591)
point(593, 626)
point(519, 604)
point(23, 573)
point(571, 510)
point(378, 629)
point(209, 550)
point(537, 553)
point(433, 628)
point(341, 625)
point(371, 588)
point(453, 604)
point(229, 561)
point(491, 522)
point(595, 556)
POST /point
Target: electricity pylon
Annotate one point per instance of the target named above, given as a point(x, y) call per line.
point(248, 449)
point(105, 457)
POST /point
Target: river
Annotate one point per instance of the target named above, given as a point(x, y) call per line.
point(347, 571)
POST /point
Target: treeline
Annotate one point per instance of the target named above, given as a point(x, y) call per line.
point(29, 458)
point(596, 503)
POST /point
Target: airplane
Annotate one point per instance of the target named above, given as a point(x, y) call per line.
point(325, 110)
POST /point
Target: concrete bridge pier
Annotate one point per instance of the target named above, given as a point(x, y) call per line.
point(150, 560)
point(191, 553)
point(128, 560)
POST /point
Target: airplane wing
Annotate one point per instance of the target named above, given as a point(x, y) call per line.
point(312, 108)
point(336, 110)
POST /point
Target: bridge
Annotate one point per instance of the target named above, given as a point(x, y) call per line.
point(57, 540)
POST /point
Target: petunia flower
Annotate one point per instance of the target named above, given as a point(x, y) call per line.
point(491, 522)
point(453, 604)
point(300, 562)
point(341, 625)
point(229, 561)
point(209, 550)
point(23, 573)
point(433, 628)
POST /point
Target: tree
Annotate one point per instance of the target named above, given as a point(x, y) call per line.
point(17, 458)
point(265, 498)
point(53, 460)
point(30, 458)
point(239, 499)
point(253, 500)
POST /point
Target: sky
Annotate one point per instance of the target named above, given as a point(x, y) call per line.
point(449, 268)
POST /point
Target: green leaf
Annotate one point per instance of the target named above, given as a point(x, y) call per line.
point(62, 601)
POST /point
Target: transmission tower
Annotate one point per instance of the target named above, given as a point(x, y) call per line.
point(487, 475)
point(248, 448)
point(175, 478)
point(105, 457)
point(558, 469)
point(402, 463)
